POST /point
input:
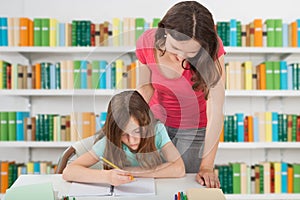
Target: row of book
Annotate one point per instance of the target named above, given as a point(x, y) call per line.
point(69, 74)
point(23, 31)
point(268, 75)
point(259, 33)
point(262, 127)
point(10, 171)
point(19, 126)
point(261, 178)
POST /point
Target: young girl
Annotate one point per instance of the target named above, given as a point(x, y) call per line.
point(133, 141)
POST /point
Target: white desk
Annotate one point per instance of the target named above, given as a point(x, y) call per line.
point(165, 188)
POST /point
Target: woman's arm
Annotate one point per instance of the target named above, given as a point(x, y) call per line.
point(144, 85)
point(172, 168)
point(215, 122)
point(79, 171)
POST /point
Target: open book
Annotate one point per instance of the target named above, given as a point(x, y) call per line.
point(141, 186)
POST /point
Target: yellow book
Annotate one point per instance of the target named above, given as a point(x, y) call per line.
point(247, 75)
point(277, 177)
point(205, 193)
point(116, 23)
point(119, 73)
point(268, 126)
point(53, 32)
point(30, 168)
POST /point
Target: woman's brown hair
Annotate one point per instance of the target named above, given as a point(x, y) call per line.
point(190, 20)
point(121, 108)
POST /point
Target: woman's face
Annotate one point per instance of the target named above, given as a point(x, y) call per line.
point(131, 136)
point(180, 50)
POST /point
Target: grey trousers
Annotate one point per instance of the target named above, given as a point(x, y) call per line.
point(190, 144)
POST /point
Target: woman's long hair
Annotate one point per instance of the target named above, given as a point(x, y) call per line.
point(121, 108)
point(190, 20)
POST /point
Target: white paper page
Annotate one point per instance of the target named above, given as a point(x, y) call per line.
point(89, 189)
point(141, 186)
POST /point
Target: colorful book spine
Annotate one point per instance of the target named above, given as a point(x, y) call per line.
point(83, 74)
point(102, 69)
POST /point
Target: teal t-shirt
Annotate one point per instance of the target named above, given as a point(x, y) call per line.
point(161, 138)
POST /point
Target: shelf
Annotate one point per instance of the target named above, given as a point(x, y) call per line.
point(111, 92)
point(79, 92)
point(66, 50)
point(259, 145)
point(262, 196)
point(25, 144)
point(262, 93)
point(269, 50)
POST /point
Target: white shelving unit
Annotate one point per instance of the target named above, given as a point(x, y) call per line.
point(236, 101)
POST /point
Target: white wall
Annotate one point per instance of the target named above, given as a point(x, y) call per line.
point(66, 10)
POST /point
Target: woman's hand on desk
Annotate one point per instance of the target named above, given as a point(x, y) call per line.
point(118, 177)
point(208, 178)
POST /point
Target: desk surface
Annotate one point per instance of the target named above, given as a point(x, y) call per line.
point(165, 188)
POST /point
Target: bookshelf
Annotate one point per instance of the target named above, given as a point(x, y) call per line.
point(58, 101)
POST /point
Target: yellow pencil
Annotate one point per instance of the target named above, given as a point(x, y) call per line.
point(114, 166)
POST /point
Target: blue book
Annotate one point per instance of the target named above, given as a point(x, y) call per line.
point(83, 74)
point(52, 76)
point(255, 129)
point(298, 31)
point(20, 116)
point(233, 33)
point(274, 126)
point(103, 116)
point(240, 126)
point(284, 178)
point(61, 38)
point(285, 35)
point(283, 75)
point(102, 67)
point(4, 31)
point(108, 77)
point(36, 168)
point(290, 77)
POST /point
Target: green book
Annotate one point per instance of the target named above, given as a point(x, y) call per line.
point(88, 33)
point(270, 32)
point(113, 75)
point(296, 180)
point(4, 74)
point(32, 191)
point(298, 76)
point(280, 127)
point(50, 126)
point(284, 127)
point(57, 76)
point(155, 22)
point(226, 120)
point(46, 135)
point(276, 75)
point(45, 32)
point(95, 74)
point(74, 33)
point(37, 32)
point(77, 74)
point(295, 67)
point(139, 27)
point(278, 32)
point(12, 127)
point(294, 128)
point(261, 179)
point(4, 126)
point(236, 177)
point(269, 75)
point(239, 33)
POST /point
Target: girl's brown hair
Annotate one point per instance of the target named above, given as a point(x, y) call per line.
point(121, 108)
point(191, 20)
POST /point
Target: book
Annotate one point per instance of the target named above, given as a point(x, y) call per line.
point(205, 193)
point(141, 186)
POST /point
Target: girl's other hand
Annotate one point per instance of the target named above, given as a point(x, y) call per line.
point(208, 178)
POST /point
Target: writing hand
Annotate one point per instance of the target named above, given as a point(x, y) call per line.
point(119, 177)
point(208, 178)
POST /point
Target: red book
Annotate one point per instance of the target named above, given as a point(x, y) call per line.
point(246, 130)
point(8, 76)
point(93, 33)
point(272, 176)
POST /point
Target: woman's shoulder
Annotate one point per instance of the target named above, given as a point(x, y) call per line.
point(146, 39)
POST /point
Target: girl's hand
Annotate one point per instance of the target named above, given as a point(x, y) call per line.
point(208, 178)
point(118, 177)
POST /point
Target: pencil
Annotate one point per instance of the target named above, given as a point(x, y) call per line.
point(113, 166)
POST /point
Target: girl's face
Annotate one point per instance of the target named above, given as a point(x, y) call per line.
point(180, 50)
point(131, 136)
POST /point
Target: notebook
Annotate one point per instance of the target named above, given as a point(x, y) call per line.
point(205, 193)
point(141, 186)
point(33, 192)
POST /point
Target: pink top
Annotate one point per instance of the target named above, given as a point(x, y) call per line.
point(174, 102)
